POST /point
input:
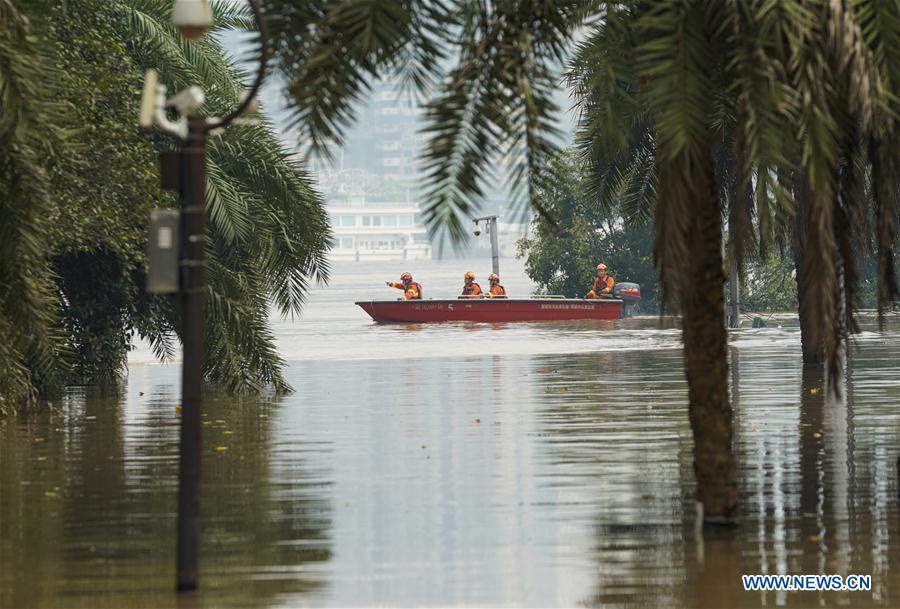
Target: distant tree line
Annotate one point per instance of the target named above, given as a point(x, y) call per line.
point(562, 249)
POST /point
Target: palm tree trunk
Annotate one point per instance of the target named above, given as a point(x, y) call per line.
point(811, 354)
point(705, 342)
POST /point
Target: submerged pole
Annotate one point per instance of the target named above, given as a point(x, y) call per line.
point(193, 18)
point(490, 223)
point(495, 246)
point(193, 300)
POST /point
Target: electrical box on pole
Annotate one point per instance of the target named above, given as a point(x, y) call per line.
point(162, 252)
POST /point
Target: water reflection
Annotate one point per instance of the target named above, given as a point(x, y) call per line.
point(88, 506)
point(800, 497)
point(466, 477)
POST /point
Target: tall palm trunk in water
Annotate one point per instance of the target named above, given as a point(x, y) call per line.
point(705, 342)
point(811, 354)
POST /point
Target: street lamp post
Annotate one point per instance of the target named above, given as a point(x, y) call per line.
point(193, 18)
point(193, 311)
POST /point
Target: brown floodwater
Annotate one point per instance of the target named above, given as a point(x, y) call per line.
point(462, 464)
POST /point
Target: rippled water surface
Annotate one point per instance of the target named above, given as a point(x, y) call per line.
point(461, 464)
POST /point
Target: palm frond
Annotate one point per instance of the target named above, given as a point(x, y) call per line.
point(241, 352)
point(267, 234)
point(637, 185)
point(155, 43)
point(676, 63)
point(290, 233)
point(879, 24)
point(495, 104)
point(756, 39)
point(32, 353)
point(612, 116)
point(155, 321)
point(228, 207)
point(329, 52)
point(849, 228)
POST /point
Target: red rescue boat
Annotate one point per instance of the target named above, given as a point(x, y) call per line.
point(491, 309)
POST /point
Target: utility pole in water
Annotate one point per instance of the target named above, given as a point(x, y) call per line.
point(491, 227)
point(185, 172)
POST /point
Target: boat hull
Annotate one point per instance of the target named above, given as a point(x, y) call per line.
point(491, 310)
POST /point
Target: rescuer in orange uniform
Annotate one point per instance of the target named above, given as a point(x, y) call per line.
point(497, 290)
point(603, 284)
point(411, 289)
point(471, 289)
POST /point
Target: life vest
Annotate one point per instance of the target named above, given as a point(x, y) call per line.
point(604, 286)
point(407, 288)
point(472, 289)
point(413, 286)
point(497, 290)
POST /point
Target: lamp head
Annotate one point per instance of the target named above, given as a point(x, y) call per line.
point(188, 100)
point(192, 18)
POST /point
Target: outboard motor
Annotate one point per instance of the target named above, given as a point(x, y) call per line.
point(629, 294)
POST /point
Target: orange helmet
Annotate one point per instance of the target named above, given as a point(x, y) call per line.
point(601, 267)
point(405, 277)
point(469, 275)
point(493, 277)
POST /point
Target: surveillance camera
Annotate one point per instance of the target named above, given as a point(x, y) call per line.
point(187, 100)
point(477, 231)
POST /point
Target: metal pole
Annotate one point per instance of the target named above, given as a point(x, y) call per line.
point(193, 297)
point(495, 247)
point(193, 324)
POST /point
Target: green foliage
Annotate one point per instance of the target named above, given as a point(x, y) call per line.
point(768, 284)
point(73, 218)
point(104, 187)
point(31, 347)
point(792, 104)
point(267, 228)
point(561, 254)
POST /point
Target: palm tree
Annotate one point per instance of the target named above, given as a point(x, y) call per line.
point(761, 78)
point(30, 130)
point(268, 230)
point(72, 250)
point(764, 85)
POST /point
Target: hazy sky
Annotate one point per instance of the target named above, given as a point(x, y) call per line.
point(273, 95)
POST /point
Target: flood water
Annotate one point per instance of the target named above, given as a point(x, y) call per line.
point(461, 464)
